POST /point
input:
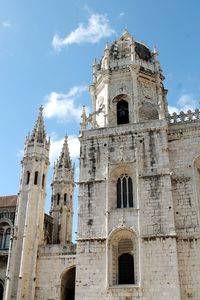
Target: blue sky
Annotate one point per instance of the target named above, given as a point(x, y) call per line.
point(46, 54)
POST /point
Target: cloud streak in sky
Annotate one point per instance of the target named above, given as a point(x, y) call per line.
point(6, 24)
point(62, 106)
point(98, 27)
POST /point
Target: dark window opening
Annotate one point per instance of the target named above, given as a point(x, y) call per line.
point(119, 193)
point(126, 269)
point(27, 177)
point(58, 199)
point(124, 191)
point(36, 178)
point(65, 198)
point(122, 112)
point(43, 180)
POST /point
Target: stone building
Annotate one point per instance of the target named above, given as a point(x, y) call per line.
point(138, 233)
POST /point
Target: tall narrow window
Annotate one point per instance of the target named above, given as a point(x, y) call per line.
point(36, 178)
point(27, 177)
point(58, 199)
point(122, 112)
point(7, 239)
point(43, 180)
point(65, 198)
point(126, 269)
point(124, 191)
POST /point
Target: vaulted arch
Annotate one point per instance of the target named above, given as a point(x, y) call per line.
point(68, 279)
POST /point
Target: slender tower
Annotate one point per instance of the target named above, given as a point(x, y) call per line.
point(28, 230)
point(62, 197)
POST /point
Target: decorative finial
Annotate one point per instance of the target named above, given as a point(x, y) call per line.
point(106, 46)
point(41, 109)
point(94, 62)
point(155, 51)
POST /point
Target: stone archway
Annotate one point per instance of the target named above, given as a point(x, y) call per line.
point(68, 284)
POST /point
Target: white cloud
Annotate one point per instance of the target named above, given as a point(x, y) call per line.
point(6, 24)
point(185, 102)
point(97, 28)
point(121, 15)
point(62, 106)
point(56, 147)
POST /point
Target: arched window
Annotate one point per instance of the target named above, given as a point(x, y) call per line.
point(58, 199)
point(124, 191)
point(27, 177)
point(7, 239)
point(65, 198)
point(5, 235)
point(126, 269)
point(122, 112)
point(36, 178)
point(123, 258)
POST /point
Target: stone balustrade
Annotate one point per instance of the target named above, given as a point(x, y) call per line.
point(181, 117)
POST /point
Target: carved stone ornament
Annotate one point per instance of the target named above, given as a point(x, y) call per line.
point(146, 89)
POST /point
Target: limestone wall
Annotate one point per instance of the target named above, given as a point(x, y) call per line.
point(52, 263)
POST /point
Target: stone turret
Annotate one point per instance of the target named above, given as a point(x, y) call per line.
point(28, 229)
point(62, 197)
point(128, 81)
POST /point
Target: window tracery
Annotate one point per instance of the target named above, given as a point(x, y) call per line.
point(124, 191)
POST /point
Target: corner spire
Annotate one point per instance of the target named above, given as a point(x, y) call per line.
point(64, 158)
point(38, 133)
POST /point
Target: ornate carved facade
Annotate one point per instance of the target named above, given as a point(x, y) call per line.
point(138, 231)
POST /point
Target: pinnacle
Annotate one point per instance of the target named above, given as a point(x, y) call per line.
point(64, 158)
point(38, 133)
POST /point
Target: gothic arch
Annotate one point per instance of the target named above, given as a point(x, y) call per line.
point(5, 233)
point(120, 110)
point(123, 257)
point(122, 171)
point(68, 279)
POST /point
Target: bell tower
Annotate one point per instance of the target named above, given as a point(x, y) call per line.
point(62, 197)
point(28, 228)
point(128, 84)
point(126, 216)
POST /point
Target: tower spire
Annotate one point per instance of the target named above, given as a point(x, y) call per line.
point(38, 133)
point(64, 159)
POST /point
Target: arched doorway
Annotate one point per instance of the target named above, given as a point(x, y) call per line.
point(68, 284)
point(1, 290)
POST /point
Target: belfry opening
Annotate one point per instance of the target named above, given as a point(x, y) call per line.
point(68, 284)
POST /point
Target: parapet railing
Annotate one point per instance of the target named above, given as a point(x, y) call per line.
point(181, 117)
